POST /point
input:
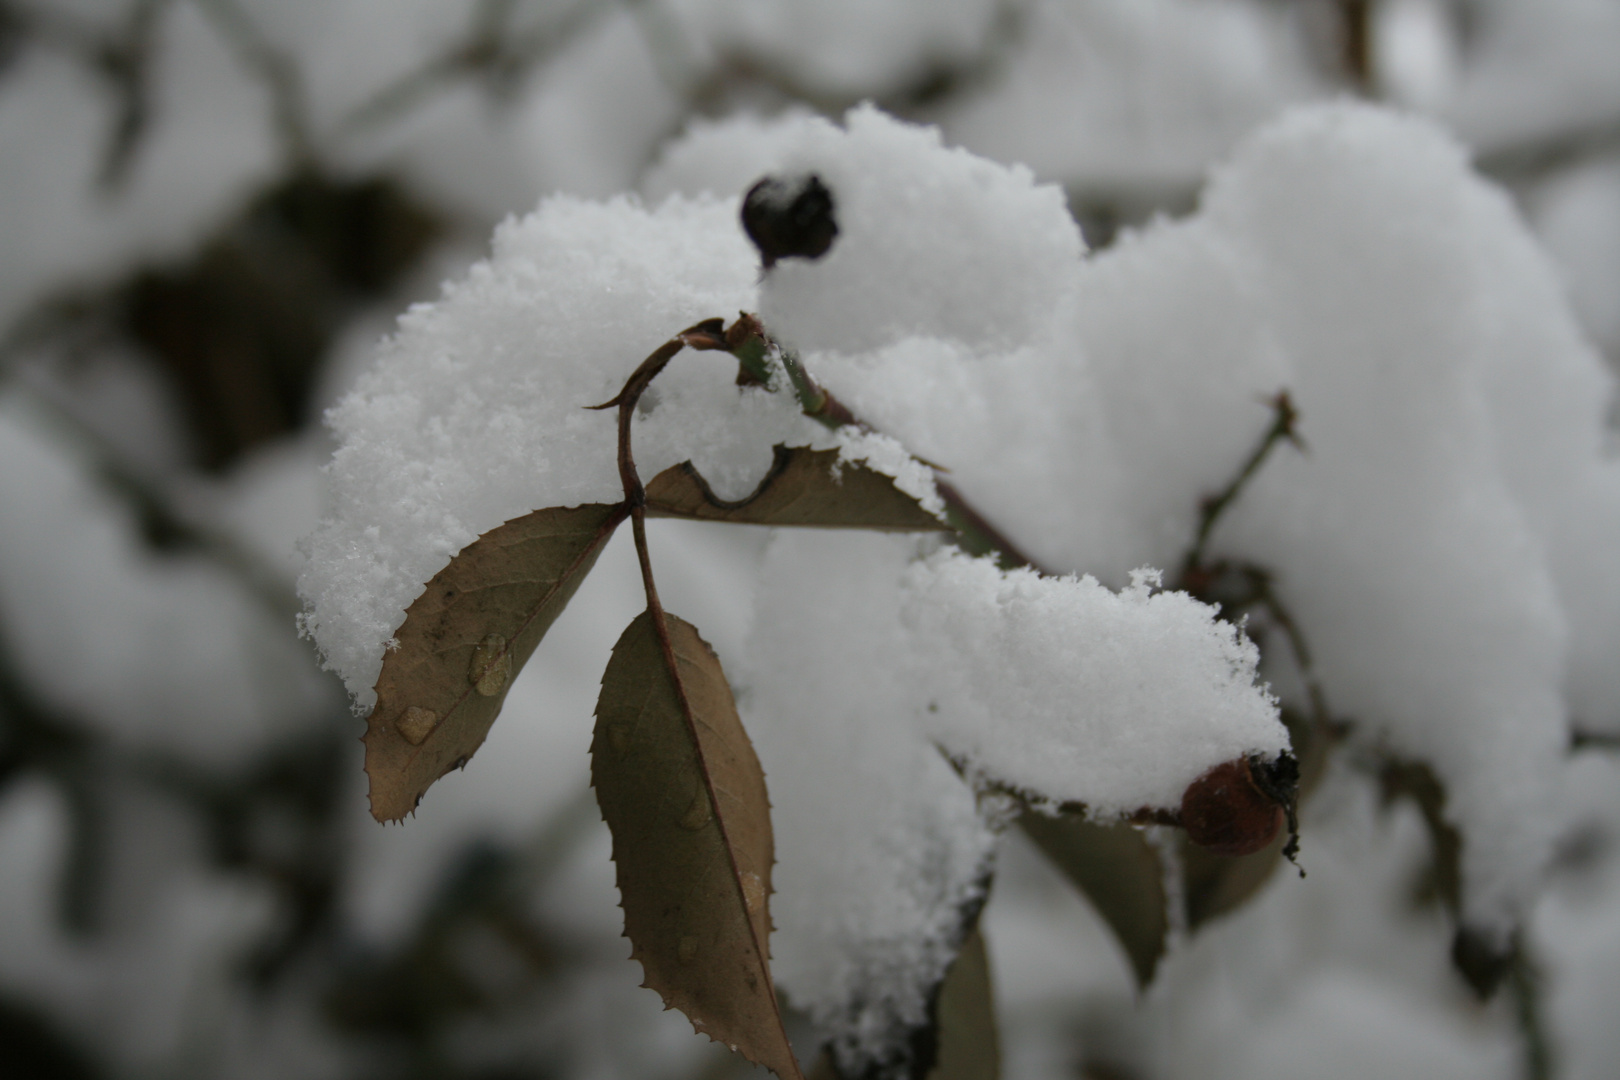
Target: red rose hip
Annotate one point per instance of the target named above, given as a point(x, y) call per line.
point(1238, 807)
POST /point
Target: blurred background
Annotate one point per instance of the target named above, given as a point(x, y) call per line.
point(211, 210)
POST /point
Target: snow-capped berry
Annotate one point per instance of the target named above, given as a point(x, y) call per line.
point(788, 216)
point(1237, 807)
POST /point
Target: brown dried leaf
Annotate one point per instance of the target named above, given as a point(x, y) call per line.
point(465, 639)
point(969, 1047)
point(1415, 780)
point(1481, 958)
point(803, 487)
point(1120, 873)
point(684, 796)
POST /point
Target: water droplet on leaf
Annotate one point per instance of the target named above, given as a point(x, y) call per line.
point(415, 724)
point(698, 814)
point(753, 890)
point(491, 665)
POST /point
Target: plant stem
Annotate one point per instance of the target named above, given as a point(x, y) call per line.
point(1284, 417)
point(1582, 739)
point(1524, 981)
point(703, 335)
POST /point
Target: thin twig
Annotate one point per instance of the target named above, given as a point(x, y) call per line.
point(976, 533)
point(1284, 418)
point(126, 63)
point(1539, 155)
point(1356, 43)
point(1524, 982)
point(1586, 739)
point(1256, 587)
point(279, 74)
point(704, 335)
point(120, 56)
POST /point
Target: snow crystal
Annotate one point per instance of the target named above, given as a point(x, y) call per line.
point(886, 455)
point(1036, 462)
point(1061, 688)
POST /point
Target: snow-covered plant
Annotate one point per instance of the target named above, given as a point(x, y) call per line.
point(1343, 405)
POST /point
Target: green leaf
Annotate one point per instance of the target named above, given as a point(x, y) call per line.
point(969, 1047)
point(1120, 873)
point(465, 639)
point(803, 487)
point(684, 796)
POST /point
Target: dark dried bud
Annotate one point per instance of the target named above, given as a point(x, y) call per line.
point(789, 216)
point(1278, 778)
point(1237, 807)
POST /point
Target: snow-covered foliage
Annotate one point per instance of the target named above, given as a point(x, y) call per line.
point(476, 413)
point(1454, 465)
point(1455, 470)
point(481, 415)
point(189, 882)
